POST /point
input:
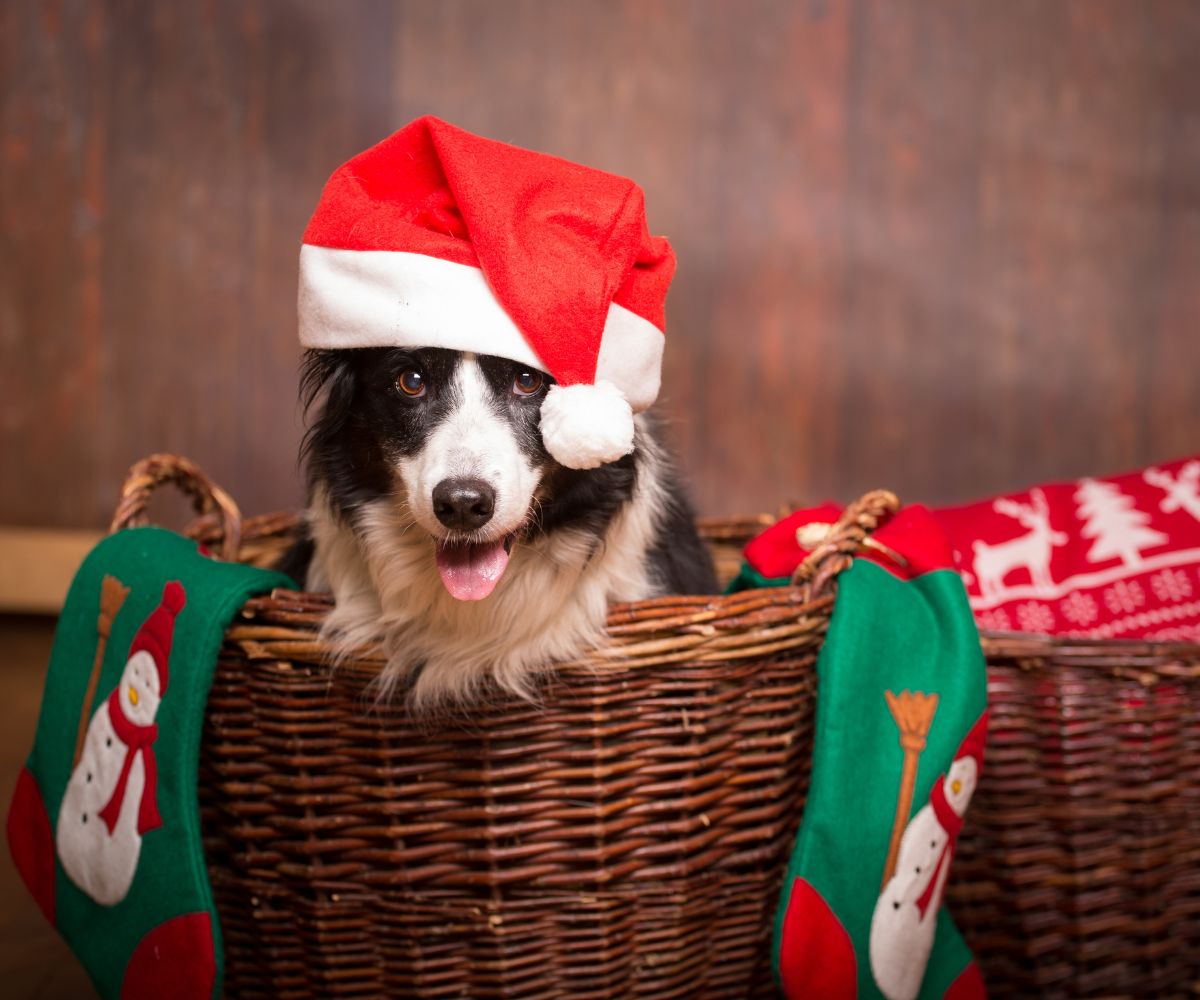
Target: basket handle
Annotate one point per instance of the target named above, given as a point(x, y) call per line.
point(150, 473)
point(834, 548)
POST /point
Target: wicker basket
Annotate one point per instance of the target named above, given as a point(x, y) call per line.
point(627, 836)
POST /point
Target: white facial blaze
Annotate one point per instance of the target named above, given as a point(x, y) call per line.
point(473, 441)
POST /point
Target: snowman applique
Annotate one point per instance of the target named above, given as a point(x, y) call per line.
point(111, 800)
point(905, 918)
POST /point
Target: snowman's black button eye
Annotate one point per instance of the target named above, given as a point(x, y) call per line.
point(108, 742)
point(89, 777)
point(933, 843)
point(895, 906)
point(918, 869)
point(85, 817)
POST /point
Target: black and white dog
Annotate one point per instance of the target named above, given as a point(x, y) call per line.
point(440, 522)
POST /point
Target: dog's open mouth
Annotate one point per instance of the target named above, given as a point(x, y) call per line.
point(471, 570)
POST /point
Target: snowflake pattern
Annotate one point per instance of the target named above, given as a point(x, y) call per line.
point(1171, 585)
point(1079, 608)
point(1124, 596)
point(1034, 616)
point(996, 620)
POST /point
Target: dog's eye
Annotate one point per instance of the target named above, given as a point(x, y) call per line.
point(527, 383)
point(411, 382)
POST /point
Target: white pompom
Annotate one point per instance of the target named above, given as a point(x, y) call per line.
point(584, 426)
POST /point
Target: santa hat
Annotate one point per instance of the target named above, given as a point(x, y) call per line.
point(975, 742)
point(154, 637)
point(439, 238)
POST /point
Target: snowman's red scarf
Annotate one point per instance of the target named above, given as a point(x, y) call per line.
point(952, 823)
point(137, 739)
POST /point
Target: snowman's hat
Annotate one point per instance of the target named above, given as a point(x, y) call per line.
point(154, 637)
point(974, 742)
point(439, 238)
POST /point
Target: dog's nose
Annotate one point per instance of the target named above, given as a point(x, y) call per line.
point(464, 504)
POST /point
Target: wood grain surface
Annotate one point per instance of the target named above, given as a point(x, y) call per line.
point(943, 247)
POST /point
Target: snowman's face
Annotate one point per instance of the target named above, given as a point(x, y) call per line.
point(960, 783)
point(139, 688)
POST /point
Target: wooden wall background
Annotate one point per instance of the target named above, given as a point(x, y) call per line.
point(950, 247)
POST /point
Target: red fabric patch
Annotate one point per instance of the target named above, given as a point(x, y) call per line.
point(175, 959)
point(816, 956)
point(913, 533)
point(775, 552)
point(1115, 558)
point(968, 985)
point(558, 242)
point(31, 842)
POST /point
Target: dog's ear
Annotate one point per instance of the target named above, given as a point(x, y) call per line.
point(319, 369)
point(326, 376)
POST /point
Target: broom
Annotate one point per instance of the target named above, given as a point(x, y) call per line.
point(112, 596)
point(913, 712)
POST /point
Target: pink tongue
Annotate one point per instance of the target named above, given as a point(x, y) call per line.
point(471, 572)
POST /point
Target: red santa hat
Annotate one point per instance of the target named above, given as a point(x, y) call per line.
point(154, 637)
point(439, 238)
point(974, 744)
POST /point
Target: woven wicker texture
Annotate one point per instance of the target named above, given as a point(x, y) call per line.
point(627, 835)
point(1079, 869)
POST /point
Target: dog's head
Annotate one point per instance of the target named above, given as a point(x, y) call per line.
point(453, 438)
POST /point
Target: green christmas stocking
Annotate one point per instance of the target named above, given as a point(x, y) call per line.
point(104, 825)
point(900, 731)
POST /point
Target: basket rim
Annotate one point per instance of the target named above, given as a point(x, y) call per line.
point(733, 529)
point(1146, 661)
point(658, 631)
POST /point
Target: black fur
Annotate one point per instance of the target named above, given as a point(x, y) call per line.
point(364, 422)
point(680, 561)
point(295, 561)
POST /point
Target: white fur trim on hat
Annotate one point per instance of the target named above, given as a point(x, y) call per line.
point(584, 426)
point(392, 298)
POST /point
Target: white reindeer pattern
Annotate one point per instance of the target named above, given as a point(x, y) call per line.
point(1183, 491)
point(1031, 551)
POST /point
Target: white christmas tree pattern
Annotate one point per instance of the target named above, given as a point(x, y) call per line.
point(1183, 491)
point(1120, 530)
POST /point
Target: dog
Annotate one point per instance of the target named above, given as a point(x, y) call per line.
point(443, 527)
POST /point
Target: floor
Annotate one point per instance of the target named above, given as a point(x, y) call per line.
point(34, 961)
